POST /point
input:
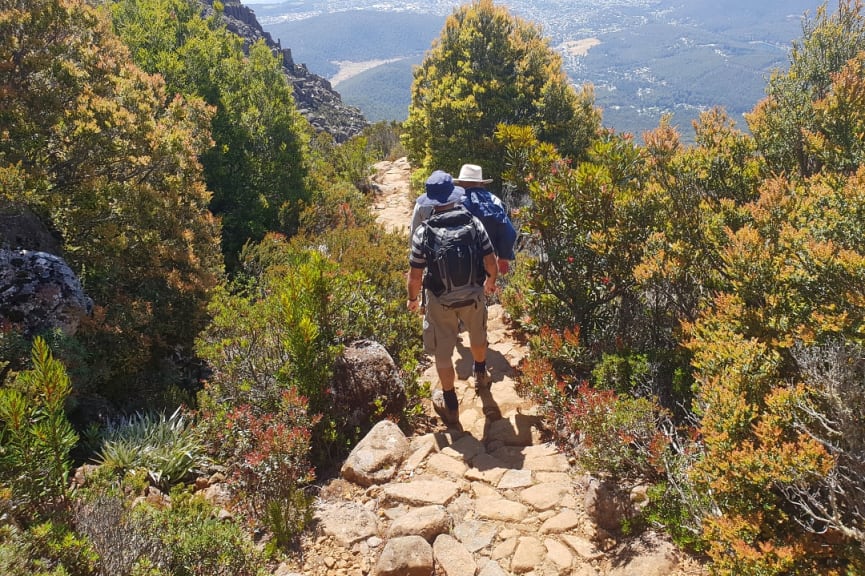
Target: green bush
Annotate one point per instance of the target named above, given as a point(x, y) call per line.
point(621, 372)
point(618, 435)
point(36, 435)
point(184, 539)
point(197, 542)
point(46, 549)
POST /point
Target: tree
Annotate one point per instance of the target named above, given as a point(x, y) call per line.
point(258, 166)
point(811, 113)
point(489, 68)
point(96, 147)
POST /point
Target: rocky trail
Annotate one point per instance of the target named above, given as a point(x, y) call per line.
point(492, 499)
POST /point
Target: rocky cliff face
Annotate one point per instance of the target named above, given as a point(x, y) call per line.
point(315, 97)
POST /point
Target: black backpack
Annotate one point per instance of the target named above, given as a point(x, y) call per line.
point(451, 246)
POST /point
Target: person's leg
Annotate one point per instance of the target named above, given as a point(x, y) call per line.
point(440, 338)
point(446, 372)
point(476, 320)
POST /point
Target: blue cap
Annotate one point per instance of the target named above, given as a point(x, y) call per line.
point(440, 189)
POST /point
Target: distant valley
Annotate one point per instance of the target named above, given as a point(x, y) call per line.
point(644, 57)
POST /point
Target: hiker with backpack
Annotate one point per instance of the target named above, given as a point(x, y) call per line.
point(490, 210)
point(453, 261)
point(482, 203)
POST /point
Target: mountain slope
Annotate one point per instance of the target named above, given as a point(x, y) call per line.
point(315, 97)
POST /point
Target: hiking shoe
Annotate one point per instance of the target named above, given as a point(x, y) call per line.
point(483, 380)
point(449, 417)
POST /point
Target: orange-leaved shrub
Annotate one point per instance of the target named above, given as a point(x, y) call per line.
point(728, 274)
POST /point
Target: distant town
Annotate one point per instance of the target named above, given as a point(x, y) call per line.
point(645, 58)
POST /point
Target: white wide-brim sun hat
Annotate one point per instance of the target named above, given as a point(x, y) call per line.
point(472, 174)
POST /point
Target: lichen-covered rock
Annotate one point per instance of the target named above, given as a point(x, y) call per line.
point(39, 291)
point(366, 384)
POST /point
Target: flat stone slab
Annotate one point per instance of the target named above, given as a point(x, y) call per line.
point(516, 479)
point(583, 547)
point(405, 556)
point(422, 492)
point(562, 522)
point(558, 554)
point(491, 568)
point(529, 555)
point(446, 466)
point(475, 534)
point(452, 557)
point(486, 468)
point(419, 449)
point(500, 509)
point(347, 522)
point(427, 522)
point(544, 496)
point(464, 448)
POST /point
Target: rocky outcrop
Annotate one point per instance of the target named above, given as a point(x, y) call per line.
point(315, 97)
point(38, 292)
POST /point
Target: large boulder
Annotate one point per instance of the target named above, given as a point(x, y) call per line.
point(39, 291)
point(366, 385)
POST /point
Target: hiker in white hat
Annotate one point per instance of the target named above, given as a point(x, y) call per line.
point(491, 211)
point(471, 175)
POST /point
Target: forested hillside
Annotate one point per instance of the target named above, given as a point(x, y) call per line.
point(695, 313)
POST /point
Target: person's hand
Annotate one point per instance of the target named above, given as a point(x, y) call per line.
point(413, 305)
point(490, 285)
point(504, 266)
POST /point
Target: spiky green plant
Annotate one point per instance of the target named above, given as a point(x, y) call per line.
point(168, 448)
point(35, 436)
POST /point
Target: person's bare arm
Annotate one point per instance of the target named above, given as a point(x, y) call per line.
point(492, 269)
point(413, 287)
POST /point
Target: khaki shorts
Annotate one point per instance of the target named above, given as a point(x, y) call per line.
point(441, 326)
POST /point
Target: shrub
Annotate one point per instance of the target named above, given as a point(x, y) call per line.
point(36, 436)
point(122, 541)
point(618, 435)
point(184, 539)
point(269, 465)
point(198, 542)
point(383, 140)
point(46, 549)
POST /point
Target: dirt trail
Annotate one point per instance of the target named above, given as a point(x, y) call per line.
point(393, 205)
